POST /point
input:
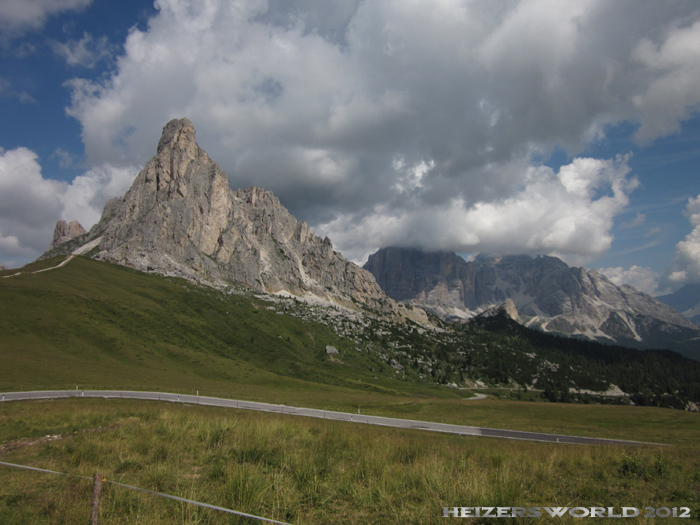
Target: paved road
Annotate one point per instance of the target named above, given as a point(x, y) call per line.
point(476, 396)
point(322, 414)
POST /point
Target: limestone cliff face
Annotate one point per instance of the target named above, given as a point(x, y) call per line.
point(436, 278)
point(180, 217)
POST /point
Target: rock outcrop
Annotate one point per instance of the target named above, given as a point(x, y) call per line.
point(547, 293)
point(65, 232)
point(181, 218)
point(507, 310)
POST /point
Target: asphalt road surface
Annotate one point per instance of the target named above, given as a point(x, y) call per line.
point(321, 414)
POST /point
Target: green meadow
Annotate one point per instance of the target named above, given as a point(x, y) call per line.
point(96, 325)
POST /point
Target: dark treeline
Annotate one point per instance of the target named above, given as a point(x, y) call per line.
point(651, 377)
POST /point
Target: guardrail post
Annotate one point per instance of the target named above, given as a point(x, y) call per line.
point(96, 490)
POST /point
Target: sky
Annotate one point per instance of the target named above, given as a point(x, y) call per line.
point(521, 126)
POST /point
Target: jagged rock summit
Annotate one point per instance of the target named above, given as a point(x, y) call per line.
point(181, 218)
point(65, 232)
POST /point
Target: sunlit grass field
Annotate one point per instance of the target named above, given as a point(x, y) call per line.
point(302, 470)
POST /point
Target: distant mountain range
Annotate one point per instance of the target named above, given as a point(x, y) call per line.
point(546, 293)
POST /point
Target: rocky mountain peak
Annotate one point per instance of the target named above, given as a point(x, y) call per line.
point(181, 218)
point(178, 135)
point(66, 231)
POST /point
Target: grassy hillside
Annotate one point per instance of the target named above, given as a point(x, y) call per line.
point(98, 325)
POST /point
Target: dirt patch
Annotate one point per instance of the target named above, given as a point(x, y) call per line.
point(29, 442)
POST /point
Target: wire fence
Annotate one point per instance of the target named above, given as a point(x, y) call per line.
point(159, 494)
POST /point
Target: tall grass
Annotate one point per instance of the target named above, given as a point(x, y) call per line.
point(309, 471)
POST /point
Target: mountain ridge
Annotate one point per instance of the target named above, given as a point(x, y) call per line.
point(548, 294)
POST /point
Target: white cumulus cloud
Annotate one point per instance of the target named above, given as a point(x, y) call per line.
point(19, 16)
point(672, 92)
point(569, 213)
point(86, 52)
point(87, 194)
point(643, 279)
point(30, 204)
point(687, 261)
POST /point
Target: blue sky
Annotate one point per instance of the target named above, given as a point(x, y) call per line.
point(528, 126)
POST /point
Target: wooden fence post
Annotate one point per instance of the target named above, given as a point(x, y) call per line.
point(96, 490)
